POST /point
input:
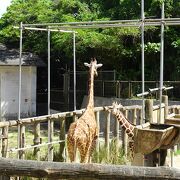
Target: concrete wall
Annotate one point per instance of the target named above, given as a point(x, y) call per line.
point(9, 91)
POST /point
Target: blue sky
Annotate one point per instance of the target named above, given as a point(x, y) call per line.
point(3, 6)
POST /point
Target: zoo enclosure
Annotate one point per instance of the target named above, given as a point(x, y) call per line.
point(59, 120)
point(37, 122)
point(64, 27)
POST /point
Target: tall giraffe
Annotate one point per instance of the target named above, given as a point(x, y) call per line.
point(125, 124)
point(83, 132)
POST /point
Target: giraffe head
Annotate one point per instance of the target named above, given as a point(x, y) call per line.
point(114, 109)
point(93, 65)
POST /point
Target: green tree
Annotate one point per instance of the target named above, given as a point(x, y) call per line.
point(116, 48)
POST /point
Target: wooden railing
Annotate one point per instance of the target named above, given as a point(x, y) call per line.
point(133, 113)
point(57, 170)
point(60, 118)
point(174, 109)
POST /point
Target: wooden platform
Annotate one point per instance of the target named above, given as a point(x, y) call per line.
point(149, 137)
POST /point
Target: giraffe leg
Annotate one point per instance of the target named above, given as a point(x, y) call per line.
point(71, 150)
point(131, 148)
point(83, 154)
point(92, 147)
point(84, 150)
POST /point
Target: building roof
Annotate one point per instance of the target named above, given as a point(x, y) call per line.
point(10, 57)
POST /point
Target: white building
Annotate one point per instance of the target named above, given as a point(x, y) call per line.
point(9, 83)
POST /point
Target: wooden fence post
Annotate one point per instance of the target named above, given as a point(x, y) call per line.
point(141, 120)
point(149, 118)
point(149, 110)
point(37, 140)
point(125, 139)
point(165, 101)
point(62, 138)
point(75, 117)
point(50, 137)
point(97, 141)
point(4, 146)
point(107, 133)
point(4, 141)
point(134, 114)
point(116, 130)
point(22, 141)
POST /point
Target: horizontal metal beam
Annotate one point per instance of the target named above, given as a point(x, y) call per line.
point(65, 29)
point(103, 22)
point(154, 90)
point(137, 24)
point(46, 29)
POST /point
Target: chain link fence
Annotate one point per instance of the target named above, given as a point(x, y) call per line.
point(105, 85)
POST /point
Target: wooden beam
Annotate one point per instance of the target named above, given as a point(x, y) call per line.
point(56, 170)
point(54, 117)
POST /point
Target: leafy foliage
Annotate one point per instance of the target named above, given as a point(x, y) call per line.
point(116, 48)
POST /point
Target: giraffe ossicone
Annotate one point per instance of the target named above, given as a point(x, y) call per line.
point(83, 132)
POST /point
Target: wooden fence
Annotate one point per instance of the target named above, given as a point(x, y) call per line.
point(54, 170)
point(58, 121)
point(49, 120)
point(132, 112)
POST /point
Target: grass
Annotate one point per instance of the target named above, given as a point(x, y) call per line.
point(116, 155)
point(177, 152)
point(12, 142)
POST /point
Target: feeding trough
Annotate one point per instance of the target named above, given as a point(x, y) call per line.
point(173, 119)
point(149, 137)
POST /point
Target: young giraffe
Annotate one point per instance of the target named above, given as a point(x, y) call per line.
point(83, 132)
point(125, 124)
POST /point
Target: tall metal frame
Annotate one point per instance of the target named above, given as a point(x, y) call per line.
point(142, 56)
point(71, 26)
point(161, 60)
point(49, 30)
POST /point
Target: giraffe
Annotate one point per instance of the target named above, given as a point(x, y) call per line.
point(83, 132)
point(125, 124)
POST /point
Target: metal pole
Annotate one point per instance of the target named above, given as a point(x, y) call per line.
point(49, 88)
point(142, 54)
point(161, 61)
point(74, 60)
point(20, 89)
point(20, 70)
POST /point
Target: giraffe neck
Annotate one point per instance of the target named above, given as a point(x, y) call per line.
point(90, 103)
point(125, 124)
